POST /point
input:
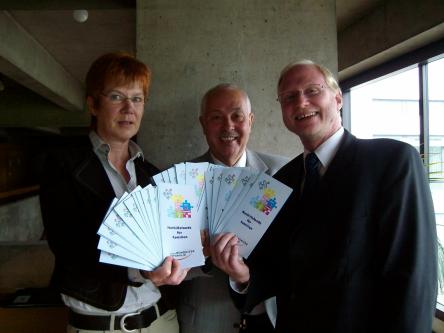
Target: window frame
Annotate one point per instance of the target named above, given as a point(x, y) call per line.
point(418, 58)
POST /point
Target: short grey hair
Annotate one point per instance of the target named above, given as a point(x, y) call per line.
point(329, 78)
point(223, 86)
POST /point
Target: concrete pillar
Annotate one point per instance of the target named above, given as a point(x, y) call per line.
point(196, 44)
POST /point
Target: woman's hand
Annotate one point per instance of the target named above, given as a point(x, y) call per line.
point(169, 273)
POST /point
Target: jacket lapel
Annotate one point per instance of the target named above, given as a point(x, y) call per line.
point(142, 173)
point(91, 175)
point(255, 162)
point(292, 174)
point(341, 161)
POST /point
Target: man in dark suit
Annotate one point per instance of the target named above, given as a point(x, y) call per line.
point(354, 248)
point(205, 304)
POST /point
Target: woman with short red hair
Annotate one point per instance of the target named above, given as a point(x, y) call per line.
point(76, 191)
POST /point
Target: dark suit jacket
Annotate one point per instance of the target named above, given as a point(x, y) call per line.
point(75, 195)
point(362, 256)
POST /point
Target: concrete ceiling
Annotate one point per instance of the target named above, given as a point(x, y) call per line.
point(75, 45)
point(350, 11)
point(46, 30)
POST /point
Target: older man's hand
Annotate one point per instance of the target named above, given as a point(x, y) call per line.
point(225, 255)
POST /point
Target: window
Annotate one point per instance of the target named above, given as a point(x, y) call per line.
point(406, 104)
point(378, 106)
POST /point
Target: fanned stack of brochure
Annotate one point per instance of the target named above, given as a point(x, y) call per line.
point(143, 227)
point(242, 201)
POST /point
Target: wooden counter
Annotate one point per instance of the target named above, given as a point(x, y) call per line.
point(34, 319)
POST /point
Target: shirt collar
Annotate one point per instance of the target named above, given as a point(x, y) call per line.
point(327, 150)
point(100, 147)
point(242, 162)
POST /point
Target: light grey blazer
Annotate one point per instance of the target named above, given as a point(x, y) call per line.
point(205, 305)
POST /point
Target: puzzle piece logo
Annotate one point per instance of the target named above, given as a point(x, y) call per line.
point(119, 222)
point(230, 179)
point(168, 193)
point(266, 203)
point(181, 208)
point(245, 180)
point(263, 184)
point(194, 172)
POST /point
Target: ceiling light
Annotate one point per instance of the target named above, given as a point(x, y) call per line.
point(80, 15)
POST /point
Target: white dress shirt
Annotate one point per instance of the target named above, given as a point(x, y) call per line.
point(327, 150)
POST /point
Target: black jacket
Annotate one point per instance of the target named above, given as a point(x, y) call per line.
point(75, 195)
point(361, 256)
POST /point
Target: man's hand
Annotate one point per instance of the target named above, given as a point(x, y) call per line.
point(225, 255)
point(169, 273)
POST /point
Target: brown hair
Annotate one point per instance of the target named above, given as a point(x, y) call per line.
point(118, 68)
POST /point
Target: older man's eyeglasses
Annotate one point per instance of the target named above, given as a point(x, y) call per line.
point(116, 98)
point(310, 91)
